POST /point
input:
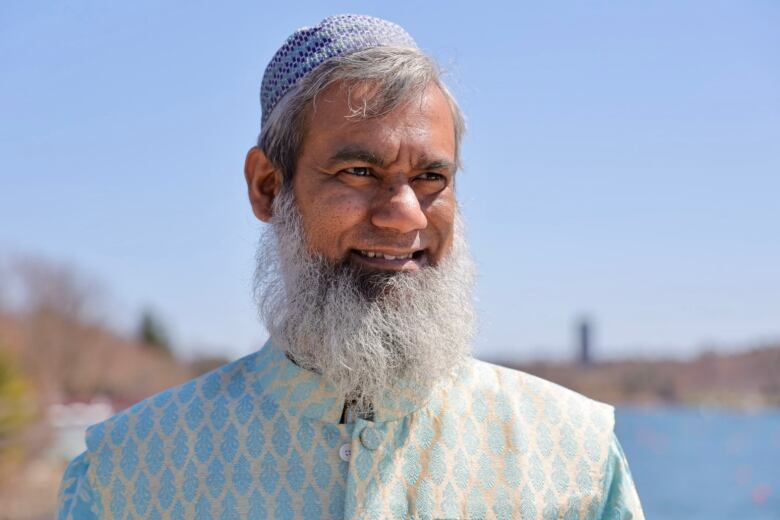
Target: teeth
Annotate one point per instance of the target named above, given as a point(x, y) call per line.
point(372, 254)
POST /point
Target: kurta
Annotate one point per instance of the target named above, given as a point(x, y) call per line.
point(261, 438)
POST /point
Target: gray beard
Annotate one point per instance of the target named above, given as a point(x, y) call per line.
point(367, 333)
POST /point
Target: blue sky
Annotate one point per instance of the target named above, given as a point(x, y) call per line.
point(622, 161)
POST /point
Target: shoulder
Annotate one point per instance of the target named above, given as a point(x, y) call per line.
point(537, 424)
point(206, 401)
point(159, 437)
point(532, 398)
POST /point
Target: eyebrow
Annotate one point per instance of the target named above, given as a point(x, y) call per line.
point(436, 164)
point(353, 153)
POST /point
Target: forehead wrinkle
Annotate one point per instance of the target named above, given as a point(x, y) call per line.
point(390, 153)
point(408, 144)
point(402, 138)
point(383, 151)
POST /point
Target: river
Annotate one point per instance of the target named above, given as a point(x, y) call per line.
point(697, 464)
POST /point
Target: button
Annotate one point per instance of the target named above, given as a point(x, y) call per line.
point(345, 452)
point(370, 438)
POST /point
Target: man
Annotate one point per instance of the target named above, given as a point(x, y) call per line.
point(364, 403)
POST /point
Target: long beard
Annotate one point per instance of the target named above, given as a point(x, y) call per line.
point(367, 333)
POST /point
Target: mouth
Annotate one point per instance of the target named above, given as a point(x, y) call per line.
point(391, 260)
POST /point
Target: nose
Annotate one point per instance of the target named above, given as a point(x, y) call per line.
point(399, 210)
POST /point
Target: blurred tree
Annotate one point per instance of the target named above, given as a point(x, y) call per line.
point(16, 404)
point(152, 332)
point(59, 308)
point(54, 324)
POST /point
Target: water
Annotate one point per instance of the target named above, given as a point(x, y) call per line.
point(703, 464)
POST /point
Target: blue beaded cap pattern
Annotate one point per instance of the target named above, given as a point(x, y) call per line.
point(309, 47)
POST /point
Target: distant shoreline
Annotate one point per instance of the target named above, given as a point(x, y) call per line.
point(745, 382)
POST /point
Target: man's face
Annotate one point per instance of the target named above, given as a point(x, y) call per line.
point(378, 192)
point(368, 324)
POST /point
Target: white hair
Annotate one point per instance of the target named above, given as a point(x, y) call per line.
point(364, 332)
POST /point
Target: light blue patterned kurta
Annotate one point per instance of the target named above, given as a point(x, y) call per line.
point(260, 438)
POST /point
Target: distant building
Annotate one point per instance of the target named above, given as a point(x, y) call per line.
point(584, 354)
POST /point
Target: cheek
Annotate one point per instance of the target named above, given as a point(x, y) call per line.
point(330, 219)
point(441, 210)
point(441, 217)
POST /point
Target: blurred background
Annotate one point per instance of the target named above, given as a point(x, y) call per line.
point(621, 190)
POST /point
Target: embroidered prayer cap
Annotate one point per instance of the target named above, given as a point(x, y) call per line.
point(308, 47)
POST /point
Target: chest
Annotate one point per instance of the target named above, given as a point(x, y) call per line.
point(427, 465)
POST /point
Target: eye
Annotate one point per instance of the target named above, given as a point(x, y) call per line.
point(429, 183)
point(431, 176)
point(358, 171)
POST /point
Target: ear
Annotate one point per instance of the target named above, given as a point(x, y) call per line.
point(264, 182)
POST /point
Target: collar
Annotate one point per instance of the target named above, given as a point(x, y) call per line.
point(302, 392)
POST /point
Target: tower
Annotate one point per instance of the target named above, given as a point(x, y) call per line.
point(584, 344)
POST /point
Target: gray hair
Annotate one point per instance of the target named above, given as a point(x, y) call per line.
point(397, 73)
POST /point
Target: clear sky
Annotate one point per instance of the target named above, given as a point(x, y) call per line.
point(622, 161)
